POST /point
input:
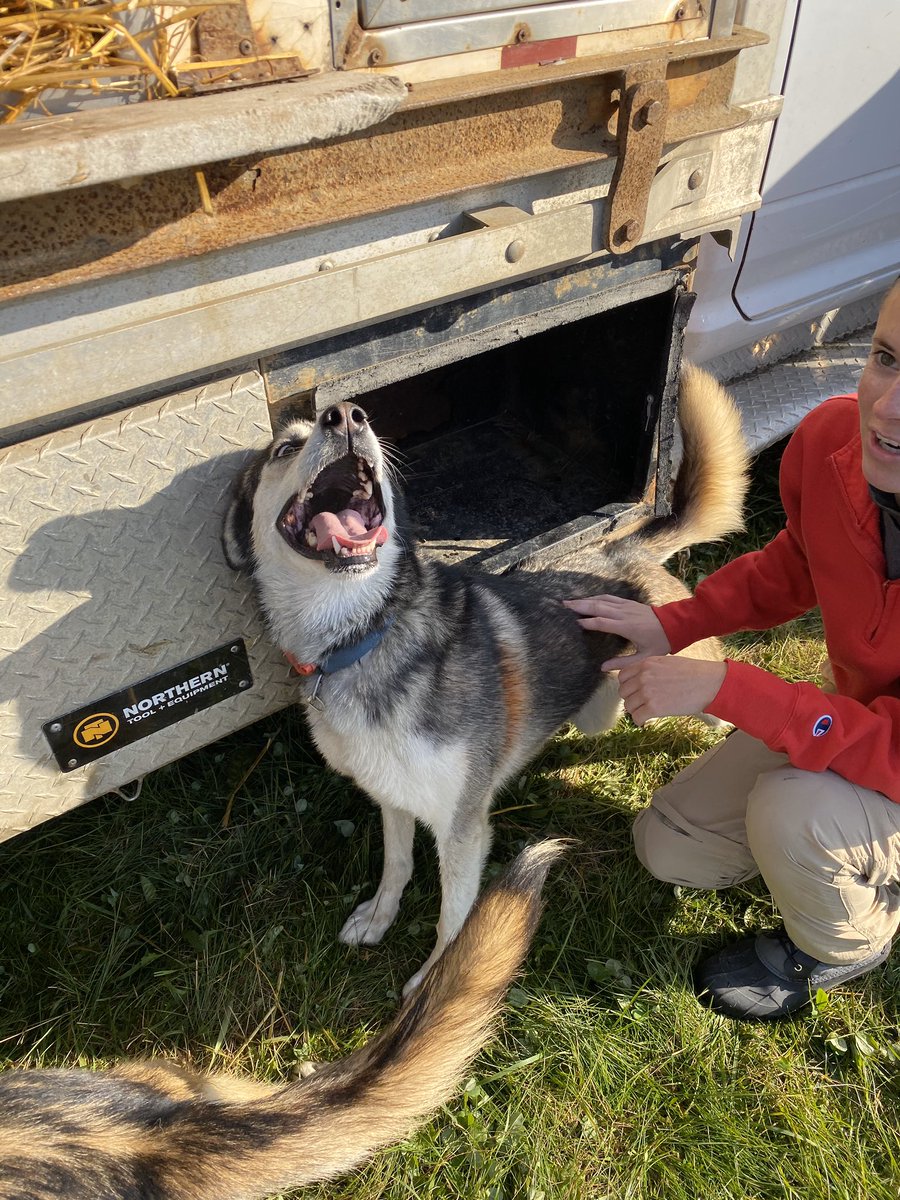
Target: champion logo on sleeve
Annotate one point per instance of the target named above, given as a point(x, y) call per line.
point(822, 725)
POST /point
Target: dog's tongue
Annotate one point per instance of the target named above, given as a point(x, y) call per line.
point(347, 527)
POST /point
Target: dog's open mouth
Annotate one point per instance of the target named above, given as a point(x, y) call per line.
point(338, 520)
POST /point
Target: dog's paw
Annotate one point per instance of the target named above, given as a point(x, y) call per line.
point(367, 924)
point(413, 983)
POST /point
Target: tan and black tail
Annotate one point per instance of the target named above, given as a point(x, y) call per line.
point(153, 1129)
point(713, 475)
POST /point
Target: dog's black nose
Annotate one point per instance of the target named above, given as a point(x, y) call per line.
point(345, 416)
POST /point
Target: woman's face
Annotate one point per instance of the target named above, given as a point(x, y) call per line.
point(879, 401)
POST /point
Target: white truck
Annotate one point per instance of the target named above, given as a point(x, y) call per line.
point(479, 218)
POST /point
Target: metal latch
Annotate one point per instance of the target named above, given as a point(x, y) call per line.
point(240, 53)
point(641, 128)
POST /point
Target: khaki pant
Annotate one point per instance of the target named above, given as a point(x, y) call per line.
point(829, 851)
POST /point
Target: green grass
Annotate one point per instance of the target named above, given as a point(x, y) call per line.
point(147, 928)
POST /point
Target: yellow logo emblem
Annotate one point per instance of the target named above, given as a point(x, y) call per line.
point(96, 730)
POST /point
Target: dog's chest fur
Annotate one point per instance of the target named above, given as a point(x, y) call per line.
point(394, 763)
point(462, 691)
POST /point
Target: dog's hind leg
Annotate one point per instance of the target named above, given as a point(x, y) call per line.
point(368, 923)
point(602, 710)
point(462, 850)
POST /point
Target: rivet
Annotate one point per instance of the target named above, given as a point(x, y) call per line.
point(523, 33)
point(245, 683)
point(515, 251)
point(56, 727)
point(234, 649)
point(695, 179)
point(326, 265)
point(245, 46)
point(651, 112)
point(73, 762)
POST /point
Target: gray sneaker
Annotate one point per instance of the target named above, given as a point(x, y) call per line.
point(765, 977)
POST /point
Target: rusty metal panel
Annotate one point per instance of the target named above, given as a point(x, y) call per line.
point(93, 343)
point(445, 139)
point(91, 148)
point(111, 570)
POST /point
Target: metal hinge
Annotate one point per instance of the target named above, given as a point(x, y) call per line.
point(242, 54)
point(640, 132)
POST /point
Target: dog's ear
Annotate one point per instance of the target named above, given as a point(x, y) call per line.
point(237, 532)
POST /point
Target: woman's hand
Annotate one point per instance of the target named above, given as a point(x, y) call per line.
point(630, 619)
point(668, 687)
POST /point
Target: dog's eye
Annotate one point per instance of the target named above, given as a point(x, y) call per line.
point(286, 448)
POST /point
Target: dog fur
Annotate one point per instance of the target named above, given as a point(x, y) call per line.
point(157, 1131)
point(474, 671)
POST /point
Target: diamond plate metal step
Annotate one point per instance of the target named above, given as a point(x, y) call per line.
point(111, 571)
point(773, 400)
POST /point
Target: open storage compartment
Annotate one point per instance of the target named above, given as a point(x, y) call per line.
point(522, 437)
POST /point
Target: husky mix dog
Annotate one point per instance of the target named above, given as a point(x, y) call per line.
point(158, 1131)
point(431, 685)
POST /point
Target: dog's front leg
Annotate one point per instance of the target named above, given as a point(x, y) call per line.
point(368, 923)
point(462, 851)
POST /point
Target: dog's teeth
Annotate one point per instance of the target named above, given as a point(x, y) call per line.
point(367, 489)
point(308, 496)
point(360, 494)
point(311, 539)
point(336, 545)
point(345, 552)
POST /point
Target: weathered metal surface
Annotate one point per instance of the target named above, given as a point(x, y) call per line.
point(435, 145)
point(111, 570)
point(350, 364)
point(659, 473)
point(642, 117)
point(79, 346)
point(360, 43)
point(245, 325)
point(89, 148)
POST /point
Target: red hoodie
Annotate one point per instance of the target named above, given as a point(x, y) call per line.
point(830, 553)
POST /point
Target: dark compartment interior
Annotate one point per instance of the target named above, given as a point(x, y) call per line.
point(499, 448)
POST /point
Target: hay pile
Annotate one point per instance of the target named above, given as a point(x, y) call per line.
point(90, 45)
point(95, 45)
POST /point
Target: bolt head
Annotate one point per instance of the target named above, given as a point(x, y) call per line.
point(652, 112)
point(628, 232)
point(245, 46)
point(515, 251)
point(376, 56)
point(695, 179)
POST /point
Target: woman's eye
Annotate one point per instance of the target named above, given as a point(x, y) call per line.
point(286, 448)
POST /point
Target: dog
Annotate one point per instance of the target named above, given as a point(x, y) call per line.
point(155, 1129)
point(431, 684)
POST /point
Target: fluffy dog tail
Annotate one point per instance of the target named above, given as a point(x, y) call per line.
point(156, 1130)
point(713, 476)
